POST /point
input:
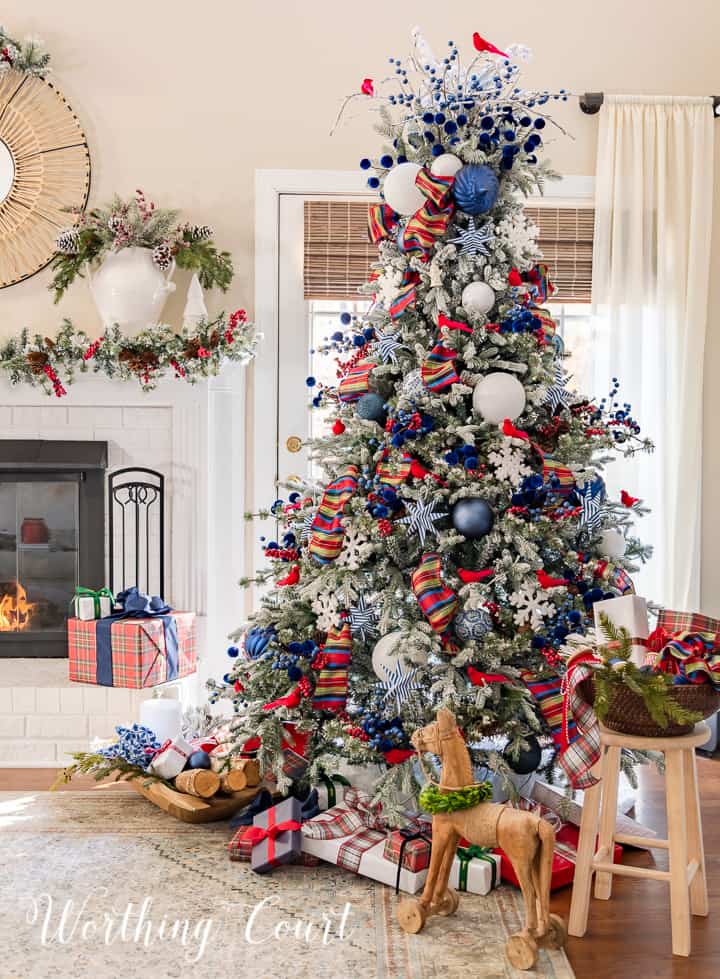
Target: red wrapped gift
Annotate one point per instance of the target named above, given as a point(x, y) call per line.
point(563, 868)
point(132, 652)
point(410, 848)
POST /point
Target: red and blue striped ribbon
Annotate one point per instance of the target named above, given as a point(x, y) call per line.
point(437, 602)
point(327, 531)
point(332, 682)
point(438, 368)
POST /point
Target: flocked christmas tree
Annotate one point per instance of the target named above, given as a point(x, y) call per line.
point(463, 529)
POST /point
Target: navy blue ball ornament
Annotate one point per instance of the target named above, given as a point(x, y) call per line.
point(198, 759)
point(257, 641)
point(528, 760)
point(475, 189)
point(472, 624)
point(371, 408)
point(472, 517)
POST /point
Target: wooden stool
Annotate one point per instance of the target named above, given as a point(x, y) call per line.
point(686, 876)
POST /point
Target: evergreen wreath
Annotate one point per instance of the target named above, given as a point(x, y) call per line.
point(433, 799)
point(27, 56)
point(138, 223)
point(192, 354)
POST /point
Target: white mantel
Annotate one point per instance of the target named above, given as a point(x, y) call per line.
point(195, 435)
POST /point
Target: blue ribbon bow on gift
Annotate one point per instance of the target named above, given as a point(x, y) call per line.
point(134, 605)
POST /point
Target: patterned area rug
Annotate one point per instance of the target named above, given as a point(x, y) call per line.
point(101, 883)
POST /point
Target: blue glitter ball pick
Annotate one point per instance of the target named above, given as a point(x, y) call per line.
point(475, 189)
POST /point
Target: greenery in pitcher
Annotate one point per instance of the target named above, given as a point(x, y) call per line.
point(138, 223)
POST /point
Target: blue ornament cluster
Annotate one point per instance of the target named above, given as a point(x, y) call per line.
point(132, 745)
point(465, 454)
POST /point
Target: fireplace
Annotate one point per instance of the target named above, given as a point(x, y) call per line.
point(52, 538)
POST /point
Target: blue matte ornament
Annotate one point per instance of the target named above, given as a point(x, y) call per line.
point(472, 624)
point(475, 189)
point(198, 759)
point(371, 407)
point(472, 517)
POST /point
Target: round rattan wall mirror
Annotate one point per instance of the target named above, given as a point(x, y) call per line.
point(44, 172)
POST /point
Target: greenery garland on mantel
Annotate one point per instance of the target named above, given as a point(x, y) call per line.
point(28, 56)
point(191, 354)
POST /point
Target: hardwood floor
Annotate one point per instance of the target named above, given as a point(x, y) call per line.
point(628, 936)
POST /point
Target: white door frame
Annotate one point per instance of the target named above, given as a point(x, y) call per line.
point(270, 185)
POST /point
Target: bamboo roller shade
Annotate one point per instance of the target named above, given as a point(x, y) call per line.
point(338, 255)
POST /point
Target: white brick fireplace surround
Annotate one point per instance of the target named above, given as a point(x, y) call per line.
point(195, 436)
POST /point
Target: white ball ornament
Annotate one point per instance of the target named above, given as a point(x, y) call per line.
point(385, 653)
point(478, 298)
point(446, 165)
point(612, 543)
point(400, 191)
point(498, 396)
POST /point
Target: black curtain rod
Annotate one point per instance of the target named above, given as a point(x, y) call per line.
point(590, 102)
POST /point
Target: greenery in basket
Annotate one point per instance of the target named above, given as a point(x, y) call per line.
point(101, 767)
point(138, 223)
point(618, 670)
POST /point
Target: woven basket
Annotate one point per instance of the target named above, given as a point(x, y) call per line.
point(629, 715)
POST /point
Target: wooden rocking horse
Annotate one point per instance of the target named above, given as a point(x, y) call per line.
point(527, 840)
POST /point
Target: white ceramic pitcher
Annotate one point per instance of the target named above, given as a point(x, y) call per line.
point(129, 289)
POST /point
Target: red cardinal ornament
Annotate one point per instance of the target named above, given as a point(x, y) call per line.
point(367, 87)
point(482, 45)
point(479, 679)
point(513, 433)
point(469, 576)
point(453, 324)
point(290, 579)
point(547, 581)
point(338, 428)
point(628, 500)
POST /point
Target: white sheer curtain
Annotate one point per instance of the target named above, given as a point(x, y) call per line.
point(650, 293)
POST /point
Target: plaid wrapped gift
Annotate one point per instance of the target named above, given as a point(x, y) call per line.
point(138, 655)
point(352, 836)
point(687, 643)
point(410, 847)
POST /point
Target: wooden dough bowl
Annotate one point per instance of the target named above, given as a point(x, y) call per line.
point(190, 809)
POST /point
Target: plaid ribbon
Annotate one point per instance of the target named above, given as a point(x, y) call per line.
point(438, 368)
point(393, 473)
point(437, 602)
point(577, 757)
point(356, 382)
point(327, 532)
point(468, 853)
point(358, 820)
point(406, 296)
point(428, 223)
point(332, 682)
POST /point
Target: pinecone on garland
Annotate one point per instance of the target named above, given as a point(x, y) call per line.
point(68, 242)
point(200, 232)
point(162, 256)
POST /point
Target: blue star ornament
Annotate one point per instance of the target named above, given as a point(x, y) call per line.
point(400, 683)
point(388, 345)
point(592, 494)
point(421, 518)
point(474, 240)
point(557, 394)
point(363, 619)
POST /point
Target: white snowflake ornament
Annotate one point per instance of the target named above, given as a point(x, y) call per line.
point(532, 607)
point(327, 609)
point(357, 548)
point(509, 463)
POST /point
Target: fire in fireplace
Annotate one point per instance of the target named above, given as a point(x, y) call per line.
point(15, 609)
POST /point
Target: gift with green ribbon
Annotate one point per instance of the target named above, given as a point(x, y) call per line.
point(463, 875)
point(329, 782)
point(89, 603)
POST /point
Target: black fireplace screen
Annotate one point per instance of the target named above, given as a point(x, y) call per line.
point(52, 538)
point(136, 507)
